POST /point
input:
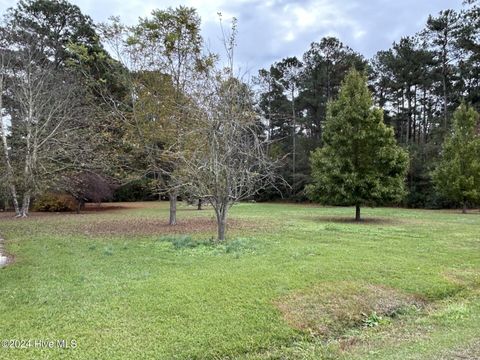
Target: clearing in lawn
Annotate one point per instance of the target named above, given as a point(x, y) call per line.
point(290, 282)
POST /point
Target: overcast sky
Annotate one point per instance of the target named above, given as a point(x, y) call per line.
point(272, 29)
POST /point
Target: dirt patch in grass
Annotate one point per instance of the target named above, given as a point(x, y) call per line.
point(329, 310)
point(153, 226)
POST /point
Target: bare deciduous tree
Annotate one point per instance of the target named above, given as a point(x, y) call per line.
point(42, 103)
point(229, 161)
point(226, 160)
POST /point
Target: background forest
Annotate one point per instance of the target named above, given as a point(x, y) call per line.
point(418, 82)
point(94, 112)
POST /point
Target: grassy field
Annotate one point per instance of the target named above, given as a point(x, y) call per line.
point(291, 282)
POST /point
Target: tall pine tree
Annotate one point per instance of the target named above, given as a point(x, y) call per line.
point(360, 163)
point(457, 176)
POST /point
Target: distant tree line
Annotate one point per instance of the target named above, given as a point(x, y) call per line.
point(418, 82)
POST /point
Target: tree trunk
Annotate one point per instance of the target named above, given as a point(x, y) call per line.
point(27, 172)
point(80, 205)
point(409, 121)
point(414, 122)
point(221, 223)
point(173, 207)
point(464, 209)
point(357, 213)
point(294, 139)
point(444, 79)
point(445, 102)
point(25, 204)
point(9, 168)
point(199, 206)
point(424, 120)
point(13, 192)
point(445, 59)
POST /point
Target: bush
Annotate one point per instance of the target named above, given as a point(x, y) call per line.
point(51, 202)
point(184, 242)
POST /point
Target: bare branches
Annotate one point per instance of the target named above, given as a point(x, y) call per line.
point(45, 108)
point(224, 158)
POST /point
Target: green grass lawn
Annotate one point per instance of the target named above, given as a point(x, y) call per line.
point(292, 282)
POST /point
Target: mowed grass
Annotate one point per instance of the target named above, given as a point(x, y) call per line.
point(286, 285)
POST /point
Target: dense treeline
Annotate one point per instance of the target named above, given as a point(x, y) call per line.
point(155, 116)
point(418, 83)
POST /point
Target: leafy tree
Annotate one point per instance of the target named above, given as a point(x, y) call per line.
point(275, 108)
point(420, 81)
point(402, 80)
point(457, 175)
point(57, 23)
point(469, 44)
point(164, 56)
point(360, 163)
point(65, 35)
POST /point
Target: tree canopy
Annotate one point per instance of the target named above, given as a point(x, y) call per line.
point(360, 162)
point(457, 175)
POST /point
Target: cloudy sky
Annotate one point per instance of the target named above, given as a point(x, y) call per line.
point(272, 29)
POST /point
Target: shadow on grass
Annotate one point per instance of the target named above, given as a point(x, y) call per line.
point(351, 220)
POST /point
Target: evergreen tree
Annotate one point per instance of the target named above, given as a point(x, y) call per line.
point(293, 101)
point(441, 34)
point(325, 65)
point(457, 176)
point(360, 163)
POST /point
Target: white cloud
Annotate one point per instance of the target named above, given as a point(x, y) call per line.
point(272, 29)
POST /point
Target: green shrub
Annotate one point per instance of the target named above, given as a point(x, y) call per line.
point(237, 246)
point(108, 251)
point(184, 242)
point(371, 320)
point(51, 202)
